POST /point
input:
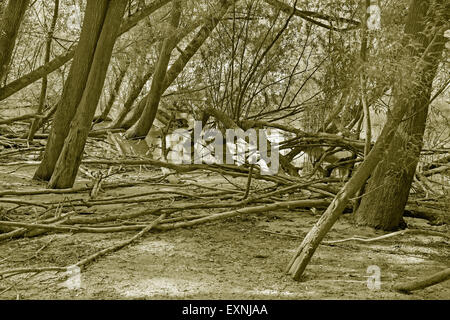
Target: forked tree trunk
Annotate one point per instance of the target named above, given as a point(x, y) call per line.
point(388, 188)
point(75, 85)
point(68, 162)
point(404, 90)
point(9, 27)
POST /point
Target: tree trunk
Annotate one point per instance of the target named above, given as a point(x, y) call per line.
point(142, 127)
point(9, 27)
point(185, 57)
point(112, 98)
point(68, 162)
point(42, 99)
point(75, 85)
point(388, 188)
point(134, 94)
point(135, 114)
point(403, 90)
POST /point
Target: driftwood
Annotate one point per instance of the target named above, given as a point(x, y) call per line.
point(434, 216)
point(438, 170)
point(65, 191)
point(20, 118)
point(423, 283)
point(23, 203)
point(389, 235)
point(84, 262)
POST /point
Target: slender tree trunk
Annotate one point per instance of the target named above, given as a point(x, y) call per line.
point(42, 99)
point(388, 188)
point(112, 97)
point(142, 127)
point(134, 94)
point(133, 116)
point(70, 158)
point(404, 91)
point(9, 27)
point(75, 85)
point(363, 96)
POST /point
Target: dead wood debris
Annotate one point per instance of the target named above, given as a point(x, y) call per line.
point(183, 204)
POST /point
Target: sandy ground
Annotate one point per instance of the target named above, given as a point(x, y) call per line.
point(239, 258)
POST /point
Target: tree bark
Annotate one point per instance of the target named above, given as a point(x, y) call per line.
point(75, 85)
point(142, 127)
point(9, 27)
point(404, 90)
point(68, 162)
point(388, 188)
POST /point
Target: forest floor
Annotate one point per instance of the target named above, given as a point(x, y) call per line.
point(239, 258)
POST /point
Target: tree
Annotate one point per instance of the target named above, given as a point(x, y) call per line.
point(388, 188)
point(176, 68)
point(133, 94)
point(9, 27)
point(69, 160)
point(122, 70)
point(59, 61)
point(406, 91)
point(142, 127)
point(74, 88)
point(42, 98)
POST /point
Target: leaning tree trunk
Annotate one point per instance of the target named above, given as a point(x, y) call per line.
point(178, 66)
point(9, 27)
point(404, 90)
point(70, 158)
point(133, 116)
point(142, 127)
point(75, 85)
point(388, 188)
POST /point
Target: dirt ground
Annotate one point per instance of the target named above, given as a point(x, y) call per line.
point(239, 258)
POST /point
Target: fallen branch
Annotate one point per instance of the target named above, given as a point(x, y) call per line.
point(122, 244)
point(256, 209)
point(89, 259)
point(437, 170)
point(435, 216)
point(23, 203)
point(419, 284)
point(64, 191)
point(20, 118)
point(393, 234)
